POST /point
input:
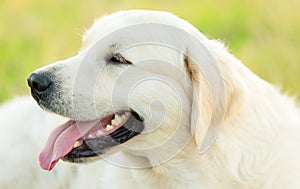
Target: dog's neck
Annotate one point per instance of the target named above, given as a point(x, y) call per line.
point(175, 171)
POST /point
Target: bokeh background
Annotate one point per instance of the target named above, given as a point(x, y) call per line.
point(265, 35)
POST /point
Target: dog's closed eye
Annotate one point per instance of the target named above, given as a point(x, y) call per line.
point(118, 59)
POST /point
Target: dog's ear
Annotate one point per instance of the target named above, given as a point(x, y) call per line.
point(217, 93)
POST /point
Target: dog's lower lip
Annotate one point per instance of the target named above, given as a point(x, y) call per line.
point(92, 147)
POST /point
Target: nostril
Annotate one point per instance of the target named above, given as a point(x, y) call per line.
point(38, 82)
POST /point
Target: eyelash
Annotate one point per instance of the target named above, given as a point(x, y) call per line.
point(118, 59)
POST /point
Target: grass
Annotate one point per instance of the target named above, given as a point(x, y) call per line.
point(265, 35)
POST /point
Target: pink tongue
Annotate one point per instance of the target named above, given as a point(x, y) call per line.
point(61, 141)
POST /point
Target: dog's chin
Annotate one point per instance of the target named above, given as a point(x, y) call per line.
point(123, 126)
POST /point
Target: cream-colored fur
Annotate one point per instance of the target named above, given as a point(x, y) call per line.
point(256, 147)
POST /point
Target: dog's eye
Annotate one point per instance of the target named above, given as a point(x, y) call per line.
point(118, 59)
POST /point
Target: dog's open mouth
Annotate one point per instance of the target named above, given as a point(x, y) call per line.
point(75, 140)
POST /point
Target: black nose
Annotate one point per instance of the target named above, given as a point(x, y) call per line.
point(39, 83)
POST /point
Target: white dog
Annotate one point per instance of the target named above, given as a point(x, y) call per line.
point(151, 103)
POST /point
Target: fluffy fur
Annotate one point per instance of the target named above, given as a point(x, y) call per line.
point(257, 147)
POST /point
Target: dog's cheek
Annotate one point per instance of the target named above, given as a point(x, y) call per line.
point(164, 108)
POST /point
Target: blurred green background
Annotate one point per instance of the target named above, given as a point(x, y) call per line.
point(265, 35)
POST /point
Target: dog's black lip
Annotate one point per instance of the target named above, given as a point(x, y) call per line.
point(97, 146)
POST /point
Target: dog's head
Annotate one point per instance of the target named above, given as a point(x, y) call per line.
point(144, 79)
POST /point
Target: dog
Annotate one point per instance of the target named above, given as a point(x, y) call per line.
point(150, 102)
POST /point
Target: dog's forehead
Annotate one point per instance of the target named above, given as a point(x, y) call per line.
point(108, 24)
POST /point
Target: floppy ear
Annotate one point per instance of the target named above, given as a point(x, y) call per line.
point(217, 92)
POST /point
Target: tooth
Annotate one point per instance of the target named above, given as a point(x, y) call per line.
point(127, 114)
point(109, 127)
point(76, 144)
point(115, 122)
point(123, 117)
point(118, 118)
point(99, 133)
point(90, 136)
